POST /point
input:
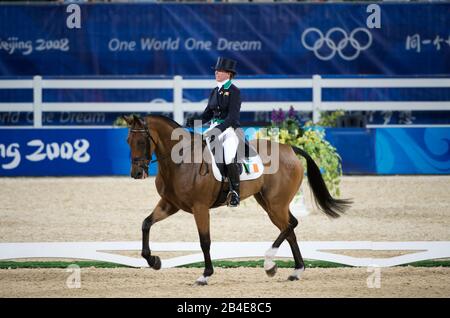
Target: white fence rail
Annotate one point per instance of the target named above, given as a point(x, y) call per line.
point(178, 107)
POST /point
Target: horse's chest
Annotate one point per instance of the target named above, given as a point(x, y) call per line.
point(167, 192)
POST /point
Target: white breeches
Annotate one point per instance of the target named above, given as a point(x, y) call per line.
point(230, 142)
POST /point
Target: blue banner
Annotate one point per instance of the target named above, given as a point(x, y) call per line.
point(392, 150)
point(185, 39)
point(97, 152)
point(64, 152)
point(413, 151)
point(356, 147)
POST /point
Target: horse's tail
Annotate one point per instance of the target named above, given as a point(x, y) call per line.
point(331, 206)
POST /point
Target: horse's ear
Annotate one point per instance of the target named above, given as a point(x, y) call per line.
point(136, 119)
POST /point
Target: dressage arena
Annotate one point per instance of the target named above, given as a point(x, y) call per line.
point(105, 209)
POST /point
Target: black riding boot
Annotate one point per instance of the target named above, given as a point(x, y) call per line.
point(233, 178)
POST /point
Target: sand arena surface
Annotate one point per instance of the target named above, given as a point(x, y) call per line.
point(112, 209)
point(238, 282)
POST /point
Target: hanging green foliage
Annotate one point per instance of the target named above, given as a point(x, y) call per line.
point(286, 129)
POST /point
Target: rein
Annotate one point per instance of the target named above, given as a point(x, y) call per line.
point(147, 157)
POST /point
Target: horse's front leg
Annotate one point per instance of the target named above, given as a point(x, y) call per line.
point(201, 215)
point(161, 211)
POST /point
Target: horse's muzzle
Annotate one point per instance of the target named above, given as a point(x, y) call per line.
point(139, 173)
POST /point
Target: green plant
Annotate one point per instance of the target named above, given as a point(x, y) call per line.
point(120, 122)
point(312, 140)
point(327, 119)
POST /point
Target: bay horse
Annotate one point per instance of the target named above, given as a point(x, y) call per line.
point(183, 186)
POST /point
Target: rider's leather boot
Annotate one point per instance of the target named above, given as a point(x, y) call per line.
point(233, 178)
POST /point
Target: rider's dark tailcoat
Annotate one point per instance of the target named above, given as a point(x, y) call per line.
point(224, 104)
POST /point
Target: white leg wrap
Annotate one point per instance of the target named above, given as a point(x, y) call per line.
point(202, 280)
point(298, 272)
point(270, 254)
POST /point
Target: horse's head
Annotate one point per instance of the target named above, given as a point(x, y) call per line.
point(141, 145)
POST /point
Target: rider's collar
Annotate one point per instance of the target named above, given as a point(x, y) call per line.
point(226, 84)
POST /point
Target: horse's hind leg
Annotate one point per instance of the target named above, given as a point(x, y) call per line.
point(286, 222)
point(269, 265)
point(292, 239)
point(162, 210)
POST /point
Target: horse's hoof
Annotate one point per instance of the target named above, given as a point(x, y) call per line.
point(296, 274)
point(292, 278)
point(197, 283)
point(272, 271)
point(201, 281)
point(156, 263)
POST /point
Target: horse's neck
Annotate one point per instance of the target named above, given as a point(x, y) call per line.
point(164, 144)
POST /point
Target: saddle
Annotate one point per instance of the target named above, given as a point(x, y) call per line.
point(250, 163)
point(250, 168)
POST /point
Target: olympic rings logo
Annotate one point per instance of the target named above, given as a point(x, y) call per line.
point(338, 47)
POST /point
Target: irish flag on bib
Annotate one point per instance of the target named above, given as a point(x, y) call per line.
point(251, 167)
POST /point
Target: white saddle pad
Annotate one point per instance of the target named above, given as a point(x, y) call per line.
point(254, 166)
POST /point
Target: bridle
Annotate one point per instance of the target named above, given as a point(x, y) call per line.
point(144, 162)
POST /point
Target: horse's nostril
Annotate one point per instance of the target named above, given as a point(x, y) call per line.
point(136, 175)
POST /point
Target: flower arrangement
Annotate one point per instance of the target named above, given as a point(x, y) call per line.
point(286, 129)
point(120, 122)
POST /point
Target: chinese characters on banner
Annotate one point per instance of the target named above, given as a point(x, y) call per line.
point(416, 43)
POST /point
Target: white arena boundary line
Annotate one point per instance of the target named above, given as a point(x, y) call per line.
point(315, 250)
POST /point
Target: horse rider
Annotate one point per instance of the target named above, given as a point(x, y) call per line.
point(223, 110)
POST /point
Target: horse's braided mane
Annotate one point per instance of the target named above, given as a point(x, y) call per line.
point(170, 121)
